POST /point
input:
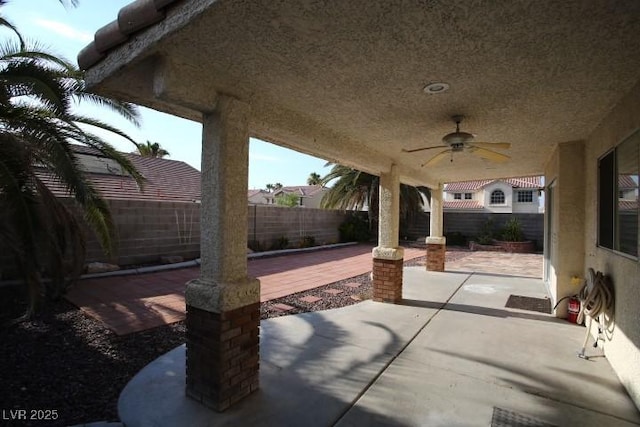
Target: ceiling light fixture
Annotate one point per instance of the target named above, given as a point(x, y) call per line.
point(435, 88)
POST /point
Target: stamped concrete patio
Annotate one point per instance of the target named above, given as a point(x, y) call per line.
point(133, 303)
point(451, 354)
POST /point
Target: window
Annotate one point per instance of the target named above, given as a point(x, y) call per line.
point(457, 196)
point(468, 196)
point(618, 173)
point(497, 197)
point(525, 196)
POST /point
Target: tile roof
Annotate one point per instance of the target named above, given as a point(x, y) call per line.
point(256, 191)
point(524, 182)
point(466, 185)
point(626, 182)
point(166, 180)
point(461, 204)
point(303, 190)
point(132, 18)
point(628, 205)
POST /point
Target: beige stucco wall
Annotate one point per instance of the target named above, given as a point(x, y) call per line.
point(623, 351)
point(565, 171)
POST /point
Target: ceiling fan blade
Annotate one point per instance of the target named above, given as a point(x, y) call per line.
point(492, 145)
point(425, 148)
point(494, 156)
point(436, 159)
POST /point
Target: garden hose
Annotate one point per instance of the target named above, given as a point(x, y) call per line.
point(596, 301)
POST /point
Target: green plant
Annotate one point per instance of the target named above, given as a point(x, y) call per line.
point(307, 241)
point(354, 229)
point(288, 199)
point(280, 243)
point(38, 126)
point(512, 231)
point(486, 235)
point(353, 190)
point(150, 149)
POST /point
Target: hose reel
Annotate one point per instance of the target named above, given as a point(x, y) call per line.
point(597, 302)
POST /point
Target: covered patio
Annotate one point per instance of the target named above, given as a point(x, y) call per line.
point(364, 84)
point(450, 355)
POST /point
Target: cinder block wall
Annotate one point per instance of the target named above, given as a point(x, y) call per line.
point(269, 223)
point(148, 230)
point(469, 224)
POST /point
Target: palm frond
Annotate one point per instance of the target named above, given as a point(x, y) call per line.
point(7, 24)
point(29, 79)
point(126, 110)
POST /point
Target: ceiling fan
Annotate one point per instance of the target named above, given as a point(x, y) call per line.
point(457, 141)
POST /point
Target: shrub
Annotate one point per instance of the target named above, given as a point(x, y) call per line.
point(512, 232)
point(307, 241)
point(355, 228)
point(486, 233)
point(280, 243)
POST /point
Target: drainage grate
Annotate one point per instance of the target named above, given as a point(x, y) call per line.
point(542, 305)
point(505, 418)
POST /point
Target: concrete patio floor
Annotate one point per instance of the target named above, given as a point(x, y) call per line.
point(450, 355)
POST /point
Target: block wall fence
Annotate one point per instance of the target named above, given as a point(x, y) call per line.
point(148, 230)
point(469, 224)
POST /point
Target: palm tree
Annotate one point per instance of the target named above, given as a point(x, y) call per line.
point(270, 187)
point(37, 127)
point(150, 149)
point(354, 190)
point(314, 179)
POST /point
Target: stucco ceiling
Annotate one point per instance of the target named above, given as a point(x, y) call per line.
point(343, 80)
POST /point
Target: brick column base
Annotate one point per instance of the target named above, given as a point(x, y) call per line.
point(435, 256)
point(222, 355)
point(387, 280)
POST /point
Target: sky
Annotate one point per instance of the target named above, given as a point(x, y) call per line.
point(66, 31)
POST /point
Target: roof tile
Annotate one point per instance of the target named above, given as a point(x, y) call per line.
point(524, 182)
point(461, 204)
point(168, 180)
point(133, 17)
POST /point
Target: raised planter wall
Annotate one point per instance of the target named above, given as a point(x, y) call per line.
point(469, 224)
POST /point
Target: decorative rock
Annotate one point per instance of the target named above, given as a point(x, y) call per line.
point(100, 267)
point(171, 259)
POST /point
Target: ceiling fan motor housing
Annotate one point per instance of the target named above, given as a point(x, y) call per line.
point(457, 139)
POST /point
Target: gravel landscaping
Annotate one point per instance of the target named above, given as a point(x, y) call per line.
point(70, 363)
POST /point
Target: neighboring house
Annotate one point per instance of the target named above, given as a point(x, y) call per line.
point(165, 180)
point(513, 195)
point(258, 196)
point(627, 188)
point(310, 196)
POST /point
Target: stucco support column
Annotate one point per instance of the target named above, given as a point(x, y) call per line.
point(388, 256)
point(436, 242)
point(223, 305)
point(565, 248)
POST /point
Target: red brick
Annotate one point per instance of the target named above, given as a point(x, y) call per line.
point(218, 360)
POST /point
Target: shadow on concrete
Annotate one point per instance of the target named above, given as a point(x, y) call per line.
point(481, 273)
point(549, 383)
point(310, 375)
point(483, 311)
